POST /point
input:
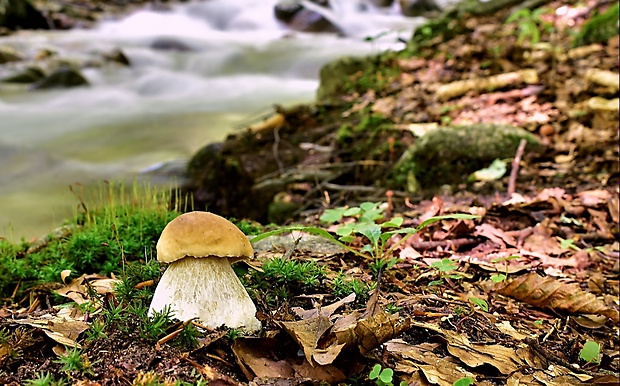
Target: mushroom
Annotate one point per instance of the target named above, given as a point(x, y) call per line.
point(199, 282)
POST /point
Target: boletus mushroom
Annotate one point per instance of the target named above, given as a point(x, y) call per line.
point(199, 282)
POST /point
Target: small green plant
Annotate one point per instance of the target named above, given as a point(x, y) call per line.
point(188, 338)
point(530, 24)
point(465, 381)
point(75, 360)
point(154, 327)
point(383, 376)
point(480, 303)
point(233, 334)
point(499, 277)
point(363, 223)
point(342, 287)
point(45, 379)
point(96, 331)
point(444, 267)
point(591, 352)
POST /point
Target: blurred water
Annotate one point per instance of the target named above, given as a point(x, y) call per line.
point(237, 62)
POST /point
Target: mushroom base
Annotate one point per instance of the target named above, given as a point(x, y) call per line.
point(208, 289)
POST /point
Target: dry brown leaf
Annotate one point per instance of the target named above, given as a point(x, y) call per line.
point(254, 356)
point(547, 292)
point(307, 332)
point(379, 328)
point(62, 328)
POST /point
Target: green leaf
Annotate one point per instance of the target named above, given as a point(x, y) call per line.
point(435, 282)
point(454, 216)
point(367, 248)
point(374, 373)
point(396, 222)
point(444, 265)
point(480, 303)
point(498, 277)
point(346, 229)
point(332, 215)
point(591, 352)
point(347, 239)
point(386, 375)
point(354, 211)
point(371, 230)
point(493, 172)
point(465, 381)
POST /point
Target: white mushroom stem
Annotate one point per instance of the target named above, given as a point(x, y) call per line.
point(208, 289)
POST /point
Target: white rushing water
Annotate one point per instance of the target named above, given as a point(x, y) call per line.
point(237, 63)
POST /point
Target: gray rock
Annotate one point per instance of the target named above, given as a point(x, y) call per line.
point(29, 74)
point(63, 77)
point(418, 7)
point(8, 54)
point(448, 155)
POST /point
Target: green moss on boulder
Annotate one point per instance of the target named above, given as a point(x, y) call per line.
point(447, 155)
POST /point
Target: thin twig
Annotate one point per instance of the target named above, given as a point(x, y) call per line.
point(276, 142)
point(515, 168)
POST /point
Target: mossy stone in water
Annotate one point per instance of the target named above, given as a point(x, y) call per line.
point(447, 155)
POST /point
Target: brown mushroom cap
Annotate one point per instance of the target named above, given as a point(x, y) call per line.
point(202, 234)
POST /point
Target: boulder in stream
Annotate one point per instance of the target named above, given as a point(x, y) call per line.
point(63, 77)
point(21, 14)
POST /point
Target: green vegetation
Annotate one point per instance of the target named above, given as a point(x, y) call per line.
point(530, 24)
point(383, 376)
point(282, 276)
point(600, 28)
point(591, 352)
point(445, 266)
point(119, 229)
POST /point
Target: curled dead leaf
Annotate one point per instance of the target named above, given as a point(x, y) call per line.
point(547, 292)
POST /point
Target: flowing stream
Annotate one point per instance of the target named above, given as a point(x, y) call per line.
point(234, 63)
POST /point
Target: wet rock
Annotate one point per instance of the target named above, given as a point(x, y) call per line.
point(286, 10)
point(448, 155)
point(382, 3)
point(299, 18)
point(117, 56)
point(21, 14)
point(8, 54)
point(418, 7)
point(29, 74)
point(63, 77)
point(170, 44)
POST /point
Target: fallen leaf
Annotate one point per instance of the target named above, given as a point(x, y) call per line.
point(547, 292)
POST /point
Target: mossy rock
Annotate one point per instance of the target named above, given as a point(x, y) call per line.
point(448, 155)
point(334, 76)
point(29, 74)
point(600, 28)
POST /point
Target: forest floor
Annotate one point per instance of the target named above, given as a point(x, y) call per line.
point(522, 290)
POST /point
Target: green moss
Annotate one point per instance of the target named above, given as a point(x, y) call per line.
point(120, 228)
point(447, 155)
point(599, 29)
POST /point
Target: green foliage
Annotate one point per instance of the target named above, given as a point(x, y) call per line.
point(465, 381)
point(188, 337)
point(282, 276)
point(154, 327)
point(343, 286)
point(591, 352)
point(74, 360)
point(480, 303)
point(364, 225)
point(599, 29)
point(383, 377)
point(103, 239)
point(45, 379)
point(530, 24)
point(498, 277)
point(444, 267)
